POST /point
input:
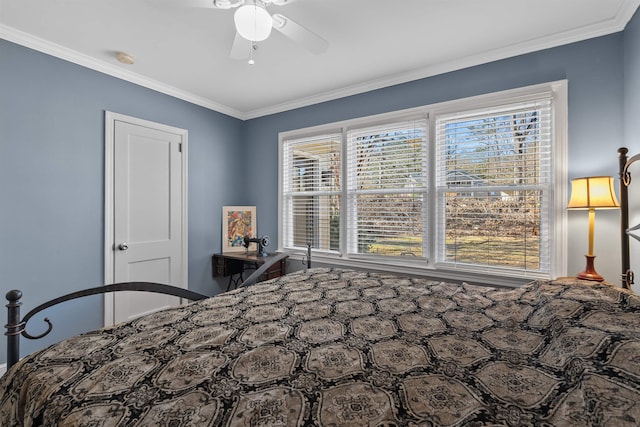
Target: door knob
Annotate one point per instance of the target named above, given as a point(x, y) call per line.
point(123, 246)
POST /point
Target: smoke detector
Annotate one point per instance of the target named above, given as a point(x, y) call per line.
point(125, 58)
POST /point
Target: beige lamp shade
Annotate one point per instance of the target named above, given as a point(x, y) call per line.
point(595, 192)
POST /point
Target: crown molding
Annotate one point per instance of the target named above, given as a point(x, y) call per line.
point(605, 27)
point(41, 45)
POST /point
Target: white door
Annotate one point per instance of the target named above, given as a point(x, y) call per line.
point(148, 204)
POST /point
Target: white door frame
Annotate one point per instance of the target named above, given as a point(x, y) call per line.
point(109, 252)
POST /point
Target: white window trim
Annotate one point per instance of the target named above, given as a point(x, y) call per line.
point(558, 231)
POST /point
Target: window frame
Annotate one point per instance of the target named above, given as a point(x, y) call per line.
point(285, 198)
point(535, 102)
point(351, 193)
point(429, 265)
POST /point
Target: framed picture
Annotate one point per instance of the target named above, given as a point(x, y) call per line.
point(237, 222)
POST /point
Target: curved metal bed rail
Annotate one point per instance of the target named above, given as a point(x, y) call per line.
point(16, 326)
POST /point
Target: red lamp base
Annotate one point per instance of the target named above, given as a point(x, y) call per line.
point(590, 272)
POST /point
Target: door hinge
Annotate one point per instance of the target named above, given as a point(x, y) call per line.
point(180, 147)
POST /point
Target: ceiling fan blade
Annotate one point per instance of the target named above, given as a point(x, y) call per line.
point(299, 34)
point(241, 48)
point(205, 4)
point(226, 4)
point(211, 4)
point(282, 2)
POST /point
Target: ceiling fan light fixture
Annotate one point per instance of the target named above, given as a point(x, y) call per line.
point(253, 22)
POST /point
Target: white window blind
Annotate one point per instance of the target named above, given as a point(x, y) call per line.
point(387, 186)
point(493, 182)
point(311, 192)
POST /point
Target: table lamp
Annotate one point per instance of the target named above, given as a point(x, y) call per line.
point(595, 192)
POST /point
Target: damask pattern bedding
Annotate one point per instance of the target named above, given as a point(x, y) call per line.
point(335, 347)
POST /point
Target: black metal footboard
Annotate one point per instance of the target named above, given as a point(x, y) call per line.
point(16, 326)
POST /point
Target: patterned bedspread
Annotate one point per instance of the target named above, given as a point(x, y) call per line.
point(344, 348)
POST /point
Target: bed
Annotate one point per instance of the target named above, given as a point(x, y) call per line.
point(340, 347)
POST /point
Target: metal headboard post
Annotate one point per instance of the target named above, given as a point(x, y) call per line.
point(14, 327)
point(625, 180)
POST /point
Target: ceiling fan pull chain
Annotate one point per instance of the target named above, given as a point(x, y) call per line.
point(251, 48)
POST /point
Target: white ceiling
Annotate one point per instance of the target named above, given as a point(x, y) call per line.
point(184, 51)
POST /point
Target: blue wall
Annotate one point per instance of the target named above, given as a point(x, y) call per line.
point(594, 70)
point(52, 175)
point(52, 156)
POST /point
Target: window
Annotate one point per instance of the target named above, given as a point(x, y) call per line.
point(464, 185)
point(387, 188)
point(494, 184)
point(311, 192)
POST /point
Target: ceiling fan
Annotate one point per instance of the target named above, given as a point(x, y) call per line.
point(254, 24)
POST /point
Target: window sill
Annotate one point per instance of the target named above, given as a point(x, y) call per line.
point(297, 261)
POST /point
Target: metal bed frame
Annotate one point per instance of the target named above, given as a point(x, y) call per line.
point(17, 327)
point(625, 162)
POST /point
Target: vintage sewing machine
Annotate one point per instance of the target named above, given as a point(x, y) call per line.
point(262, 242)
